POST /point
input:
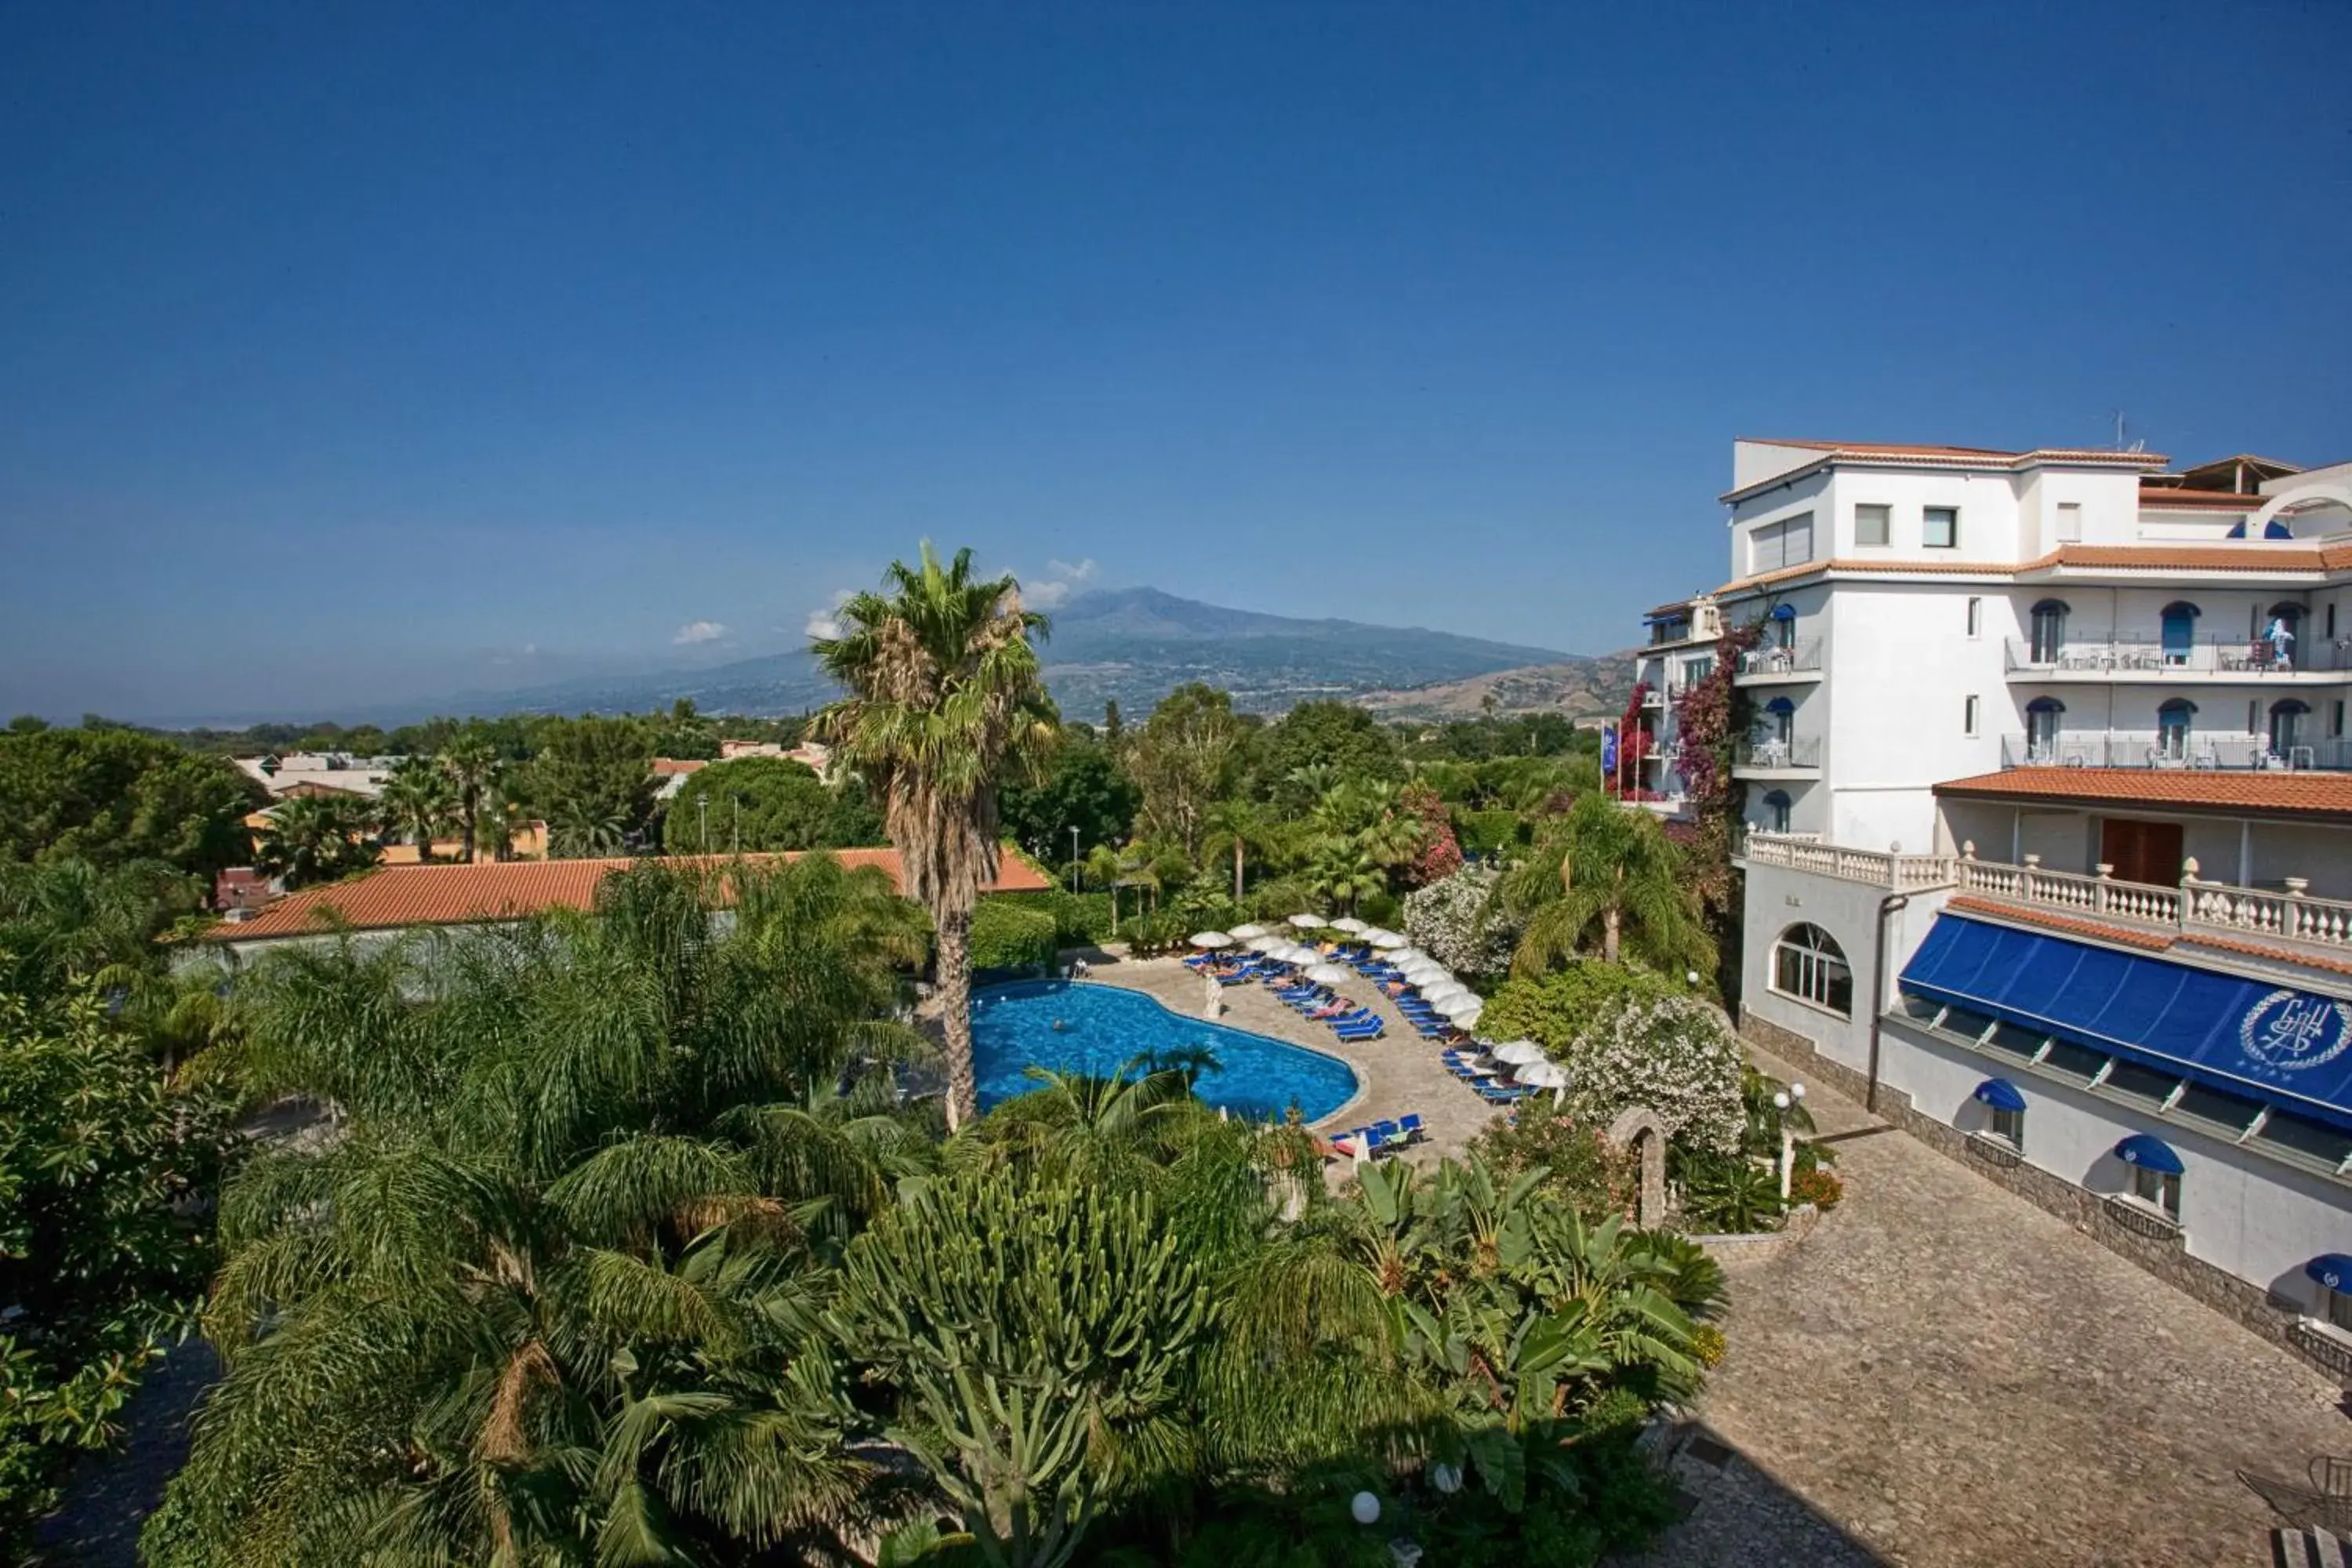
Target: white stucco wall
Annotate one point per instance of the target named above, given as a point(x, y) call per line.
point(1778, 898)
point(2240, 1212)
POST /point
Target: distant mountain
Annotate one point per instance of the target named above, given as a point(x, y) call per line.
point(1130, 645)
point(1581, 688)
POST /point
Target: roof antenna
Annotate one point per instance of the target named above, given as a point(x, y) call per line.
point(2139, 445)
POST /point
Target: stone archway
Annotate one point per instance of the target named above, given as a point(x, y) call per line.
point(1638, 1130)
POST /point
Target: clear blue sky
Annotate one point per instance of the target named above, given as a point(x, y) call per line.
point(358, 353)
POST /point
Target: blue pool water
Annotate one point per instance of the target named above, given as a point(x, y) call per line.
point(1104, 1027)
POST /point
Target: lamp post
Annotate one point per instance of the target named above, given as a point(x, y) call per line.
point(1781, 1102)
point(1073, 857)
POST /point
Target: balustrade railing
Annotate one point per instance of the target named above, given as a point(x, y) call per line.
point(1800, 657)
point(2292, 916)
point(2192, 750)
point(2137, 652)
point(1777, 751)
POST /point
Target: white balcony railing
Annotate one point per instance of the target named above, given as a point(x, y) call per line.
point(1803, 657)
point(2195, 750)
point(1779, 751)
point(2129, 653)
point(2291, 917)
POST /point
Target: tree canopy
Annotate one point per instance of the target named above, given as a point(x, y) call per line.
point(112, 796)
point(762, 803)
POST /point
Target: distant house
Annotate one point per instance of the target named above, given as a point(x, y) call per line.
point(393, 899)
point(298, 773)
point(671, 772)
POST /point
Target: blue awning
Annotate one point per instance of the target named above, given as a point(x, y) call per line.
point(2001, 1094)
point(2286, 1047)
point(1784, 612)
point(1780, 705)
point(2331, 1269)
point(2149, 1152)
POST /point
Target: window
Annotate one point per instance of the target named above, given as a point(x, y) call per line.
point(2331, 623)
point(1808, 964)
point(2336, 718)
point(1968, 715)
point(2220, 1107)
point(2076, 1061)
point(1976, 617)
point(2286, 727)
point(2049, 630)
point(2141, 1082)
point(1870, 524)
point(1787, 542)
point(2009, 1126)
point(1939, 527)
point(2339, 1311)
point(1698, 669)
point(1775, 811)
point(2043, 716)
point(2159, 1190)
point(2070, 522)
point(2282, 1129)
point(2172, 729)
point(2179, 632)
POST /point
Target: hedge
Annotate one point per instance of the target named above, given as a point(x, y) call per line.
point(1078, 918)
point(1007, 937)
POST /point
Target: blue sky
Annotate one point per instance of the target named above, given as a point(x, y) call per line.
point(357, 355)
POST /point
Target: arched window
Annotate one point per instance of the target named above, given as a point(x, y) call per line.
point(2286, 727)
point(2180, 631)
point(1779, 719)
point(2043, 717)
point(1808, 964)
point(2274, 529)
point(1775, 811)
point(2172, 725)
point(2049, 630)
point(1784, 626)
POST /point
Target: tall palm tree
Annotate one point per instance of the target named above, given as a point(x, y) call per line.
point(316, 839)
point(473, 765)
point(417, 799)
point(945, 699)
point(1240, 827)
point(1605, 865)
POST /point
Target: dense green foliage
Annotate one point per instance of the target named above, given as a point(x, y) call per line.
point(755, 804)
point(1081, 787)
point(103, 1256)
point(591, 780)
point(112, 796)
point(1009, 937)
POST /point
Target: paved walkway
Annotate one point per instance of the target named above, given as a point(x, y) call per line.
point(1955, 1377)
point(1400, 1073)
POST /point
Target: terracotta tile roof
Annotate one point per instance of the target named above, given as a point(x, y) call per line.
point(396, 896)
point(2174, 499)
point(2325, 795)
point(1833, 452)
point(2238, 555)
point(671, 767)
point(2139, 936)
point(2149, 940)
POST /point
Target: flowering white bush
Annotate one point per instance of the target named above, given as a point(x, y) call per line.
point(1670, 1054)
point(1451, 921)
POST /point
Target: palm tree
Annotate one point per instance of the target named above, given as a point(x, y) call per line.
point(416, 800)
point(552, 1296)
point(945, 699)
point(64, 921)
point(473, 765)
point(1344, 870)
point(314, 838)
point(1240, 827)
point(1615, 868)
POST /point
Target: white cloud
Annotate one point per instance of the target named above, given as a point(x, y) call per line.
point(699, 631)
point(826, 622)
point(1061, 580)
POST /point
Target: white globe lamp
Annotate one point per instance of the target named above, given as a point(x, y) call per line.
point(1366, 1508)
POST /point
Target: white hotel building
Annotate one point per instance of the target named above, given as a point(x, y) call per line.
point(2049, 848)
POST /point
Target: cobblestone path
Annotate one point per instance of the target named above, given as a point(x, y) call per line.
point(1956, 1377)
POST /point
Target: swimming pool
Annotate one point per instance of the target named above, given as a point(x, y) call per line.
point(1104, 1027)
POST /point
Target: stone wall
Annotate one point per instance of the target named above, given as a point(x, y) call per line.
point(2088, 1212)
point(1763, 1246)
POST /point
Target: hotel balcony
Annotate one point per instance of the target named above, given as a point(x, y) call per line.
point(2213, 658)
point(1777, 757)
point(2196, 750)
point(2315, 928)
point(1780, 663)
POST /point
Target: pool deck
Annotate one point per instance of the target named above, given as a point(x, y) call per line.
point(1397, 1074)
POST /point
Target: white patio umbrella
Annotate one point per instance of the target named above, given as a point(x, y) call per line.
point(1349, 924)
point(1519, 1053)
point(1263, 943)
point(1408, 954)
point(1327, 975)
point(1245, 932)
point(1425, 979)
point(1211, 938)
point(1463, 1010)
point(1545, 1075)
point(1438, 995)
point(1308, 923)
point(1388, 941)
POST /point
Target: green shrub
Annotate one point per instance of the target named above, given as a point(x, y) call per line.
point(1489, 832)
point(1006, 936)
point(1554, 1009)
point(1078, 918)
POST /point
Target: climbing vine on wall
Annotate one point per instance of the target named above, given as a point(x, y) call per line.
point(1710, 717)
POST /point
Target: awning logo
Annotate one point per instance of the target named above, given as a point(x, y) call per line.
point(2293, 1032)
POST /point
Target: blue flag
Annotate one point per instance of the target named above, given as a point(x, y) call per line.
point(1609, 750)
